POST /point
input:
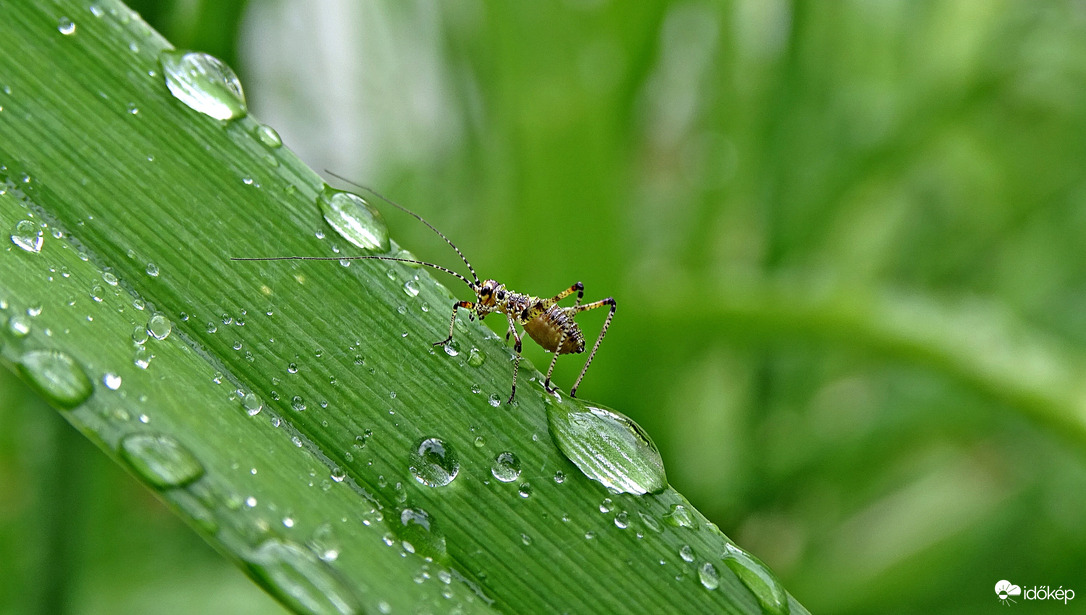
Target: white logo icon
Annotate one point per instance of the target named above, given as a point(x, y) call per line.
point(1004, 590)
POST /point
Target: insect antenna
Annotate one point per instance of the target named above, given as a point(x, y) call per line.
point(357, 258)
point(417, 217)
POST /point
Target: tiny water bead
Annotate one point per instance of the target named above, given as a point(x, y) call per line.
point(160, 460)
point(253, 404)
point(411, 287)
point(203, 83)
point(606, 446)
point(354, 219)
point(506, 467)
point(758, 579)
point(159, 326)
point(434, 463)
point(56, 376)
point(28, 236)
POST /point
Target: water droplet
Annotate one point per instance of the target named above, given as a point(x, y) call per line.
point(354, 219)
point(112, 381)
point(758, 579)
point(252, 404)
point(338, 474)
point(650, 522)
point(324, 543)
point(160, 460)
point(622, 520)
point(476, 357)
point(686, 553)
point(709, 577)
point(109, 278)
point(300, 580)
point(526, 539)
point(28, 236)
point(142, 357)
point(139, 335)
point(56, 376)
point(607, 505)
point(559, 477)
point(479, 442)
point(525, 490)
point(494, 400)
point(66, 26)
point(680, 516)
point(607, 446)
point(267, 136)
point(452, 348)
point(97, 293)
point(204, 83)
point(19, 325)
point(506, 467)
point(297, 403)
point(411, 287)
point(419, 534)
point(159, 326)
point(434, 463)
point(152, 270)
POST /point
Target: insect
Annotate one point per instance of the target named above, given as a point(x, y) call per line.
point(552, 326)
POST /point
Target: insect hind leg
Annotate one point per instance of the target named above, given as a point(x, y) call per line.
point(606, 323)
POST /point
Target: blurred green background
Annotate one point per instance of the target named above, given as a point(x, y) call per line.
point(845, 239)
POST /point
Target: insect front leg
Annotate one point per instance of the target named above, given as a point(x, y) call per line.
point(516, 361)
point(452, 323)
point(607, 323)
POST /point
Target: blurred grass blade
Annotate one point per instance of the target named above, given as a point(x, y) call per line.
point(285, 409)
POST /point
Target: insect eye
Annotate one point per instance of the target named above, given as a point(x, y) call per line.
point(501, 295)
point(483, 292)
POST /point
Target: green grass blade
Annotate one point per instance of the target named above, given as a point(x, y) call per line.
point(276, 406)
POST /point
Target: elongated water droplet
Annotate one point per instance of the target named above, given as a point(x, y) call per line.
point(28, 236)
point(160, 460)
point(204, 83)
point(56, 376)
point(607, 446)
point(506, 467)
point(419, 534)
point(300, 580)
point(758, 579)
point(680, 516)
point(354, 219)
point(267, 136)
point(434, 463)
point(411, 287)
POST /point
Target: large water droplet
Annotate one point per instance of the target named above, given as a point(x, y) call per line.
point(434, 463)
point(160, 460)
point(28, 236)
point(65, 26)
point(204, 83)
point(419, 535)
point(708, 575)
point(680, 516)
point(56, 376)
point(758, 579)
point(300, 580)
point(506, 467)
point(159, 325)
point(354, 219)
point(607, 446)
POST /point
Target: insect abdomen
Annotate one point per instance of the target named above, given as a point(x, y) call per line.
point(546, 329)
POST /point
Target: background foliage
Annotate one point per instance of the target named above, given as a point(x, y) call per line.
point(844, 240)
